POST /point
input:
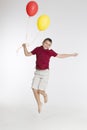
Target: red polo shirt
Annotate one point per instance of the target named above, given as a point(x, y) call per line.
point(43, 57)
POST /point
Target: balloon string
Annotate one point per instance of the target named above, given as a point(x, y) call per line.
point(29, 43)
point(26, 36)
point(28, 22)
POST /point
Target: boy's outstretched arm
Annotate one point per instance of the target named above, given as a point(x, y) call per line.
point(26, 51)
point(66, 55)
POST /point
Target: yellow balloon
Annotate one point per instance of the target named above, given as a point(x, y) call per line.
point(43, 22)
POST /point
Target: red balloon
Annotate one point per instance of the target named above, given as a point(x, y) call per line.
point(32, 8)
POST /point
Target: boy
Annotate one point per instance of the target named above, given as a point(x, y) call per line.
point(41, 75)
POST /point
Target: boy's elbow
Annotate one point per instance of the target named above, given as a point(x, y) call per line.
point(28, 54)
point(25, 54)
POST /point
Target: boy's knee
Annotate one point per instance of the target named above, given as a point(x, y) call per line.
point(41, 91)
point(33, 89)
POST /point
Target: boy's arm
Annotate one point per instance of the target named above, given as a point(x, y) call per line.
point(66, 55)
point(26, 51)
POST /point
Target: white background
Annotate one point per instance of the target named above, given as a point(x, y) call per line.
point(67, 86)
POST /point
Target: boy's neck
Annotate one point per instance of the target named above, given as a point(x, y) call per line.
point(44, 48)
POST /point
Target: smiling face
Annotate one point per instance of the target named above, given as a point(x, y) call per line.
point(47, 44)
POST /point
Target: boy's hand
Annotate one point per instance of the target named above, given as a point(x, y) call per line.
point(74, 54)
point(23, 45)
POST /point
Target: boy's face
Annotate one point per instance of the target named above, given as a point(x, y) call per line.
point(47, 44)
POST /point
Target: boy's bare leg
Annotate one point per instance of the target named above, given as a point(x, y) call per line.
point(37, 97)
point(42, 92)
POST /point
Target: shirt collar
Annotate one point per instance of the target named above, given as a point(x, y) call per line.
point(43, 48)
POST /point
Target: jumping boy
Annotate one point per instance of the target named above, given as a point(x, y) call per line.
point(41, 75)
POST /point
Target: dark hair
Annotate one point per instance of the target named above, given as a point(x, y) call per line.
point(47, 39)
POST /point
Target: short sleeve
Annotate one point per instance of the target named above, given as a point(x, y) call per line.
point(53, 53)
point(34, 51)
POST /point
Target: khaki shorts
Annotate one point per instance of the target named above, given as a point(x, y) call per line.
point(40, 79)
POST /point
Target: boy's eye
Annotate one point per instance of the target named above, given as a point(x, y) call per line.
point(48, 44)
